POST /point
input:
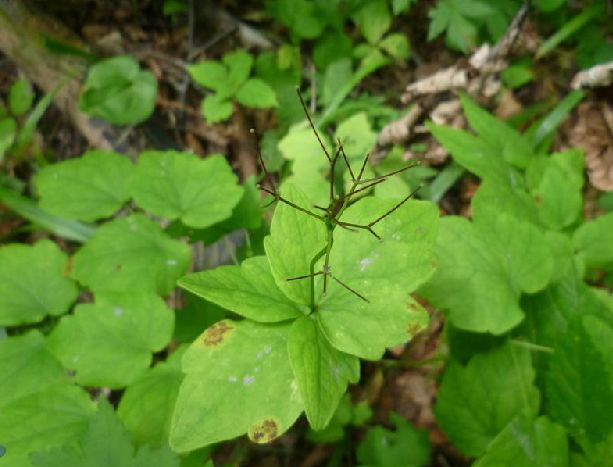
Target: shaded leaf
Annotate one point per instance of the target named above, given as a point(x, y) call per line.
point(117, 90)
point(476, 402)
point(528, 442)
point(147, 404)
point(32, 283)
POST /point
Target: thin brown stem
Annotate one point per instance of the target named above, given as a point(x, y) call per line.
point(308, 116)
point(378, 219)
point(358, 226)
point(390, 174)
point(347, 287)
point(306, 276)
point(289, 203)
point(342, 149)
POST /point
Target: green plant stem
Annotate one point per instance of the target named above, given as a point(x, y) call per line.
point(568, 30)
point(355, 79)
point(25, 207)
point(531, 346)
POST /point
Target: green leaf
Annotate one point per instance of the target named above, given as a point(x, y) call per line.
point(384, 272)
point(256, 93)
point(26, 132)
point(249, 290)
point(580, 379)
point(332, 47)
point(53, 418)
point(301, 147)
point(210, 74)
point(216, 108)
point(25, 207)
point(238, 380)
point(551, 311)
point(374, 20)
point(356, 135)
point(295, 239)
point(336, 77)
point(33, 284)
point(549, 5)
point(483, 269)
point(518, 73)
point(109, 343)
point(117, 90)
point(88, 188)
point(500, 138)
point(406, 446)
point(106, 443)
point(28, 367)
point(594, 242)
point(20, 97)
point(401, 6)
point(247, 214)
point(179, 185)
point(468, 150)
point(558, 196)
point(527, 442)
point(239, 64)
point(397, 45)
point(8, 129)
point(509, 196)
point(131, 253)
point(171, 7)
point(454, 17)
point(147, 404)
point(476, 402)
point(300, 16)
point(322, 372)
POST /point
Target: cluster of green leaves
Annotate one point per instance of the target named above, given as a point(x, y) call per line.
point(229, 79)
point(467, 23)
point(18, 119)
point(118, 91)
point(529, 338)
point(280, 360)
point(129, 264)
point(325, 22)
point(284, 358)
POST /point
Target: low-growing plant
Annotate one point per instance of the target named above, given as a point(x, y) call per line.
point(229, 79)
point(17, 126)
point(521, 319)
point(118, 91)
point(300, 342)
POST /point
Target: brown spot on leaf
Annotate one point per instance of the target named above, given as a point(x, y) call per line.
point(216, 333)
point(119, 268)
point(68, 267)
point(434, 264)
point(264, 431)
point(414, 328)
point(538, 199)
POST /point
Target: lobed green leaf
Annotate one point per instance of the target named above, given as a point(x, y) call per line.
point(88, 188)
point(179, 185)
